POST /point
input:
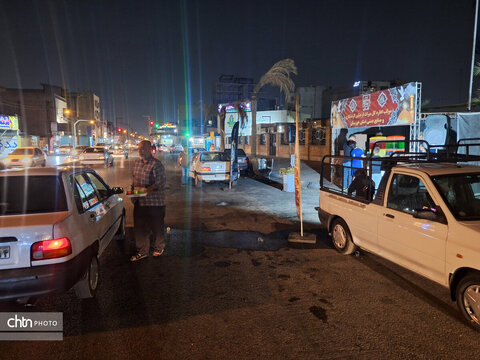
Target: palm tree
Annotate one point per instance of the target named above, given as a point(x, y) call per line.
point(476, 72)
point(278, 75)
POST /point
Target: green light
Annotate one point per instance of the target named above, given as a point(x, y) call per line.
point(157, 125)
point(187, 134)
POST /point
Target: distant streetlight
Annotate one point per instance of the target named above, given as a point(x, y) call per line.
point(92, 122)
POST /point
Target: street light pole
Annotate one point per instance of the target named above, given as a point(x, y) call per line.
point(473, 57)
point(92, 122)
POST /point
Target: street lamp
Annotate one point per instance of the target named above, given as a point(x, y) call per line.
point(92, 122)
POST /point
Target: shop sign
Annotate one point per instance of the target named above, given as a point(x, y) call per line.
point(394, 106)
point(230, 108)
point(230, 121)
point(9, 122)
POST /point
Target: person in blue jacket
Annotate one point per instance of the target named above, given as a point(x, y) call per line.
point(356, 164)
point(347, 163)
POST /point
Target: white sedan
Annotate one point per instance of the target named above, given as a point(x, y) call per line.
point(210, 166)
point(28, 156)
point(96, 155)
point(54, 224)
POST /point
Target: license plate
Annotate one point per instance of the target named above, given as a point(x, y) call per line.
point(4, 252)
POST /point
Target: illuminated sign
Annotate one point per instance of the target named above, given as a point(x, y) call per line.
point(394, 106)
point(168, 126)
point(8, 122)
point(229, 108)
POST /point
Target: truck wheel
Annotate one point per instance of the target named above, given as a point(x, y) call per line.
point(341, 237)
point(87, 286)
point(468, 299)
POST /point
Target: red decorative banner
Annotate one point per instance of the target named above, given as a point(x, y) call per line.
point(394, 106)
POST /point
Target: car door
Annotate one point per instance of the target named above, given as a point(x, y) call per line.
point(417, 244)
point(92, 211)
point(111, 209)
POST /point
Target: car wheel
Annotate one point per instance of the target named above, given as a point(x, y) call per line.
point(121, 232)
point(87, 286)
point(468, 299)
point(341, 237)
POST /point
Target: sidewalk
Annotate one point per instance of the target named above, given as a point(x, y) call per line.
point(309, 171)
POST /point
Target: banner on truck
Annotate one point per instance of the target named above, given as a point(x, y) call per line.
point(394, 106)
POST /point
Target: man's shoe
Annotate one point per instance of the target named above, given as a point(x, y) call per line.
point(158, 253)
point(138, 257)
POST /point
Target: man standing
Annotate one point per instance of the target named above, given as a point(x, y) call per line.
point(149, 211)
point(183, 163)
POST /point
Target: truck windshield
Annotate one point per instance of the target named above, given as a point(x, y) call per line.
point(461, 192)
point(31, 195)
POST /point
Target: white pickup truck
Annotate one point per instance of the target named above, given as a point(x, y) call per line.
point(424, 217)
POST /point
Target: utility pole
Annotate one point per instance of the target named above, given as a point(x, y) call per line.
point(473, 57)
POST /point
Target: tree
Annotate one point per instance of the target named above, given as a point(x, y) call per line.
point(278, 75)
point(476, 72)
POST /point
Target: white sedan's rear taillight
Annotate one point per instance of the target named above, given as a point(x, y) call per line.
point(51, 249)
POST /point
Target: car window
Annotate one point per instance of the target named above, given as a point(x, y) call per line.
point(87, 196)
point(461, 193)
point(95, 150)
point(31, 195)
point(408, 193)
point(240, 152)
point(213, 157)
point(98, 183)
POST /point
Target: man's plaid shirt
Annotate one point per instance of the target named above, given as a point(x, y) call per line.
point(146, 173)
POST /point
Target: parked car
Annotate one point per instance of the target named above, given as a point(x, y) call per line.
point(54, 224)
point(97, 155)
point(64, 150)
point(425, 216)
point(210, 166)
point(27, 156)
point(242, 158)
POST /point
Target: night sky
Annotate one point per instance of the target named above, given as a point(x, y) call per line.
point(145, 57)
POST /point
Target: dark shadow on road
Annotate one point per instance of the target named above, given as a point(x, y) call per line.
point(407, 285)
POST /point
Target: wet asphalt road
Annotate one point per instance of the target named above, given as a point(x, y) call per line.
point(230, 287)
